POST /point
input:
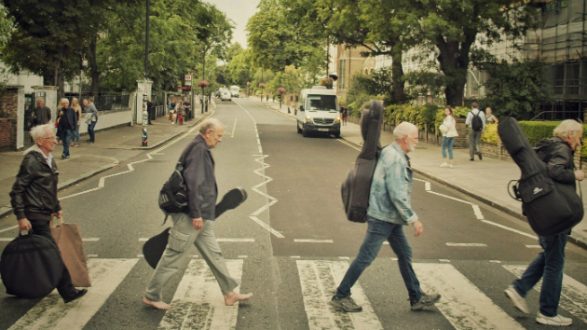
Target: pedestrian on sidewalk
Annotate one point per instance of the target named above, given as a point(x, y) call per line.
point(557, 153)
point(196, 224)
point(490, 118)
point(476, 123)
point(389, 210)
point(448, 128)
point(345, 115)
point(91, 118)
point(41, 113)
point(34, 197)
point(78, 116)
point(66, 126)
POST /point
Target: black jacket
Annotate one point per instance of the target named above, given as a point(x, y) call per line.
point(68, 120)
point(558, 156)
point(41, 116)
point(34, 193)
point(198, 173)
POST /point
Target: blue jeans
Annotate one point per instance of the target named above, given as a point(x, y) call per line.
point(377, 232)
point(447, 144)
point(66, 139)
point(548, 265)
point(91, 131)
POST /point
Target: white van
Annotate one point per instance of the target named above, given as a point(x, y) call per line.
point(318, 111)
point(235, 91)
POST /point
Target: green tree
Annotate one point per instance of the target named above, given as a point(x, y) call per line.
point(515, 89)
point(452, 26)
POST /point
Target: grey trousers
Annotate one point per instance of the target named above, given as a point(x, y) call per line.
point(181, 236)
point(474, 140)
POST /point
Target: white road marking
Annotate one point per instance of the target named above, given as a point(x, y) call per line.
point(466, 244)
point(236, 240)
point(234, 127)
point(462, 303)
point(92, 256)
point(344, 258)
point(52, 313)
point(444, 260)
point(84, 239)
point(495, 261)
point(8, 229)
point(270, 199)
point(318, 279)
point(198, 302)
point(295, 257)
point(477, 211)
point(533, 246)
point(143, 239)
point(348, 144)
point(573, 295)
point(509, 229)
point(242, 256)
point(309, 240)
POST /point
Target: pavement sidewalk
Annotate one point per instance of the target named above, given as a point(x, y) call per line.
point(485, 180)
point(113, 146)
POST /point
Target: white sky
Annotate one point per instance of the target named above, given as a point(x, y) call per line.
point(239, 11)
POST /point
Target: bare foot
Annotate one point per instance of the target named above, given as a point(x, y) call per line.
point(232, 297)
point(156, 304)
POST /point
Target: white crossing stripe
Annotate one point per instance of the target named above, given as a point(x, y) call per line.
point(319, 279)
point(198, 302)
point(573, 295)
point(466, 244)
point(52, 313)
point(462, 303)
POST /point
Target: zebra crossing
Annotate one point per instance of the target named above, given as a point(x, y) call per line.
point(198, 302)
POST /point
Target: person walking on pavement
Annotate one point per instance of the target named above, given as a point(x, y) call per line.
point(389, 210)
point(476, 122)
point(557, 153)
point(66, 126)
point(196, 224)
point(448, 128)
point(41, 113)
point(34, 196)
point(77, 109)
point(91, 118)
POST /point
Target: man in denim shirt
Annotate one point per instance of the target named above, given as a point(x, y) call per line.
point(389, 210)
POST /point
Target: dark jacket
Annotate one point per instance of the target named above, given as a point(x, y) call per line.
point(558, 156)
point(199, 177)
point(41, 116)
point(68, 120)
point(34, 193)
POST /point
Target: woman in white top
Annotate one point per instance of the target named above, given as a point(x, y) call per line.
point(448, 128)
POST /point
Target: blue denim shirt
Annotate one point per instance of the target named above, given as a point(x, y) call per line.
point(391, 188)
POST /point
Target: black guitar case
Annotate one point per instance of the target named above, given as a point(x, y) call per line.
point(154, 246)
point(550, 207)
point(31, 266)
point(357, 185)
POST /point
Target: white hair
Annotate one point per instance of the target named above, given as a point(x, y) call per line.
point(568, 127)
point(210, 124)
point(41, 131)
point(404, 129)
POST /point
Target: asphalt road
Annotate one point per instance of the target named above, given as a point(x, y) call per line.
point(291, 243)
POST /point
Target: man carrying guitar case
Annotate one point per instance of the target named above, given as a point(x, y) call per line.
point(547, 189)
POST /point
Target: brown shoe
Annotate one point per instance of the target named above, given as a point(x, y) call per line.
point(160, 305)
point(232, 297)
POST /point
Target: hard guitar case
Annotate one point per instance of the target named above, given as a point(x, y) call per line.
point(357, 185)
point(550, 207)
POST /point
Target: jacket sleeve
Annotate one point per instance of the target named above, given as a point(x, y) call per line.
point(557, 166)
point(23, 180)
point(398, 189)
point(194, 173)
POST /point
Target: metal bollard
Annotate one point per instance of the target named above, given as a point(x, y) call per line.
point(145, 137)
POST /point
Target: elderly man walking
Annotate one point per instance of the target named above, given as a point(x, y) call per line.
point(67, 125)
point(557, 153)
point(34, 196)
point(196, 224)
point(389, 210)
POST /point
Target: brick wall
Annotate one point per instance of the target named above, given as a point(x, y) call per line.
point(8, 115)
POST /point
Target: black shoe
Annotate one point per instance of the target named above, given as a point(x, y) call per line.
point(346, 304)
point(76, 295)
point(472, 159)
point(480, 156)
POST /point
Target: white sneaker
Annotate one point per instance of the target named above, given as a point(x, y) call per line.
point(518, 301)
point(557, 320)
point(445, 164)
point(450, 165)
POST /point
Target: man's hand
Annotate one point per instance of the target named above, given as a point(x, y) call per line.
point(579, 175)
point(24, 224)
point(418, 228)
point(198, 223)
